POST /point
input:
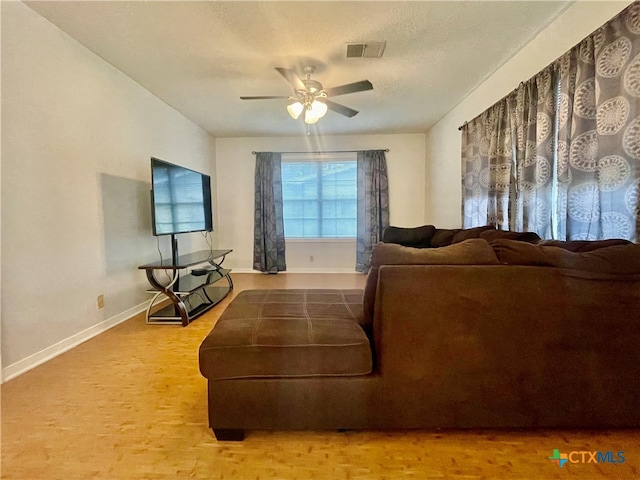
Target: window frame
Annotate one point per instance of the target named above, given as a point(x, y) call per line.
point(319, 159)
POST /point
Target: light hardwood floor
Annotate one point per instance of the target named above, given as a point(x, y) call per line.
point(131, 404)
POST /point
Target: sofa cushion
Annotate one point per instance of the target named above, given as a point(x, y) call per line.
point(491, 235)
point(443, 237)
point(418, 237)
point(467, 233)
point(474, 251)
point(617, 259)
point(288, 333)
point(583, 245)
point(469, 252)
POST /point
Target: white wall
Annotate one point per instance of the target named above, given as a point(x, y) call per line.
point(443, 207)
point(77, 135)
point(235, 166)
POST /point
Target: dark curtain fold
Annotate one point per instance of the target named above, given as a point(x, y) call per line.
point(268, 233)
point(373, 204)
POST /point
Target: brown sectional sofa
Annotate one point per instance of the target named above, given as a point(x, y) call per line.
point(470, 334)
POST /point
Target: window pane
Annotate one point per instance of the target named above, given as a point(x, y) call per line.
point(339, 209)
point(339, 180)
point(292, 209)
point(346, 227)
point(310, 229)
point(299, 180)
point(292, 191)
point(329, 209)
point(310, 209)
point(293, 228)
point(310, 188)
point(329, 227)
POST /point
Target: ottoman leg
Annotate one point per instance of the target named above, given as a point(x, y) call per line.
point(228, 435)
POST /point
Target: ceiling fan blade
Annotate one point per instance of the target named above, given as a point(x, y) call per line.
point(341, 109)
point(262, 97)
point(349, 88)
point(292, 77)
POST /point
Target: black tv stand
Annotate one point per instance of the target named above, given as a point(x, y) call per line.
point(191, 295)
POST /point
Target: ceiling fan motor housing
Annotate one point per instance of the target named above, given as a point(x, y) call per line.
point(312, 85)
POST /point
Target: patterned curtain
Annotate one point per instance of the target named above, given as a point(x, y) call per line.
point(599, 134)
point(573, 133)
point(373, 204)
point(487, 161)
point(268, 231)
point(534, 155)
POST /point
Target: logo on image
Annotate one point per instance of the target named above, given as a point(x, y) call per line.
point(583, 456)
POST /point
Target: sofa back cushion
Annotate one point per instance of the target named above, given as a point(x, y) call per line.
point(616, 259)
point(469, 252)
point(443, 237)
point(418, 237)
point(583, 245)
point(474, 232)
point(491, 233)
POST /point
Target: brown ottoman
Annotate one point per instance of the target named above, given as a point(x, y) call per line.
point(271, 353)
point(288, 333)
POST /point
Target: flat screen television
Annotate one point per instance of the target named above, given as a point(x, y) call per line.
point(180, 199)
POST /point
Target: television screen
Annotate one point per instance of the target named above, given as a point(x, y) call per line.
point(180, 198)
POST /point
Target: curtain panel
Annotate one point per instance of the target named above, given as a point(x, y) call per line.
point(573, 171)
point(534, 155)
point(599, 133)
point(373, 204)
point(268, 232)
point(487, 150)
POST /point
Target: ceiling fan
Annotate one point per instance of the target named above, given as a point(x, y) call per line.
point(309, 96)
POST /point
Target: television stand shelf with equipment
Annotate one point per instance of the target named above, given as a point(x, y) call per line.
point(192, 294)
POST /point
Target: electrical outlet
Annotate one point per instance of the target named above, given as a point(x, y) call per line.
point(100, 302)
point(311, 258)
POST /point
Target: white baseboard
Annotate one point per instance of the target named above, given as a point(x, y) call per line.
point(320, 270)
point(296, 270)
point(32, 361)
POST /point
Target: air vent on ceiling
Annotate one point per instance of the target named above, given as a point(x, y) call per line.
point(365, 50)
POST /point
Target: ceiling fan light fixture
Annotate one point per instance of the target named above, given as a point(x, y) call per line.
point(309, 117)
point(314, 112)
point(295, 109)
point(319, 108)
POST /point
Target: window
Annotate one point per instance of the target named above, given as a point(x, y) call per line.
point(319, 197)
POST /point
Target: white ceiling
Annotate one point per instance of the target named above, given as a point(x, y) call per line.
point(200, 57)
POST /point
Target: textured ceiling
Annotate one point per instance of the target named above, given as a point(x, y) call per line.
point(200, 57)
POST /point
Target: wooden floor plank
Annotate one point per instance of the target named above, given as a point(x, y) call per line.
point(131, 404)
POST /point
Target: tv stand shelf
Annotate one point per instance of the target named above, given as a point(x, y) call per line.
point(191, 295)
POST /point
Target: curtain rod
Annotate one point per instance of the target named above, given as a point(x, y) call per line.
point(551, 64)
point(510, 93)
point(331, 151)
